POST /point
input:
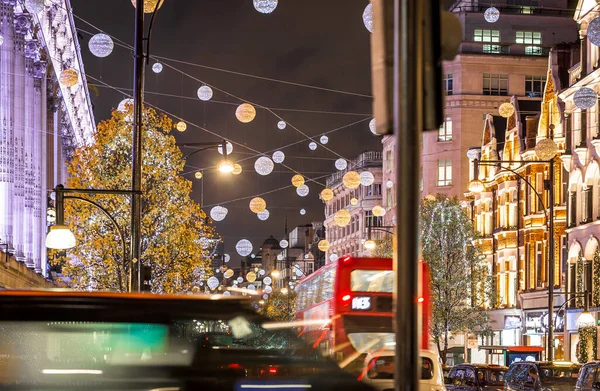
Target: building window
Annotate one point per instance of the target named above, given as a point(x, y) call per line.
point(445, 131)
point(486, 35)
point(448, 83)
point(495, 84)
point(534, 86)
point(444, 173)
point(533, 51)
point(371, 220)
point(539, 269)
point(529, 38)
point(389, 161)
point(492, 49)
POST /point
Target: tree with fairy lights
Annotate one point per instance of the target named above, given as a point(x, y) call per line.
point(177, 237)
point(460, 284)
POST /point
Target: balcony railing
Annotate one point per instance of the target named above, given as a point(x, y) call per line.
point(364, 160)
point(505, 49)
point(574, 73)
point(514, 10)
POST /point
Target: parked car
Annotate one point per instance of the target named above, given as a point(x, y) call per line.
point(378, 371)
point(589, 377)
point(541, 376)
point(476, 377)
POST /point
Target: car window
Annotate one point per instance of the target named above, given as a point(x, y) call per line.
point(426, 368)
point(469, 377)
point(383, 368)
point(583, 375)
point(549, 374)
point(490, 376)
point(590, 378)
point(458, 378)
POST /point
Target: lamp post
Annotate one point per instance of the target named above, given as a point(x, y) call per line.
point(370, 244)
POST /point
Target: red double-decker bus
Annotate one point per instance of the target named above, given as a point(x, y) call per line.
point(353, 299)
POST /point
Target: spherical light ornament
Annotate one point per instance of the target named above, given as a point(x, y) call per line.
point(226, 293)
point(251, 287)
point(342, 218)
point(228, 273)
point(251, 276)
point(149, 5)
point(198, 174)
point(265, 6)
point(333, 257)
point(124, 104)
point(585, 98)
point(240, 280)
point(326, 194)
point(245, 113)
point(181, 126)
point(324, 140)
point(267, 281)
point(101, 45)
point(323, 245)
point(281, 125)
point(228, 147)
point(546, 149)
point(257, 205)
point(237, 169)
point(341, 164)
point(368, 17)
point(244, 248)
point(69, 77)
point(312, 145)
point(351, 179)
point(226, 258)
point(278, 157)
point(491, 15)
point(302, 191)
point(353, 201)
point(218, 213)
point(34, 6)
point(506, 109)
point(262, 272)
point(378, 211)
point(283, 243)
point(593, 31)
point(473, 153)
point(366, 178)
point(264, 215)
point(1, 39)
point(205, 93)
point(389, 184)
point(297, 180)
point(157, 67)
point(372, 127)
point(264, 165)
point(268, 289)
point(212, 282)
point(302, 211)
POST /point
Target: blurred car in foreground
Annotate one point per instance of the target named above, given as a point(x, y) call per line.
point(476, 377)
point(379, 371)
point(589, 377)
point(541, 376)
point(78, 340)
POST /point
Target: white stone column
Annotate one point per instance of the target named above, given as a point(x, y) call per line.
point(29, 135)
point(39, 156)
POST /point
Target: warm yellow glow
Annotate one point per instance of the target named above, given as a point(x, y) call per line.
point(225, 166)
point(353, 201)
point(342, 218)
point(68, 77)
point(546, 149)
point(297, 180)
point(586, 319)
point(149, 5)
point(326, 194)
point(476, 186)
point(378, 211)
point(181, 126)
point(198, 175)
point(245, 113)
point(60, 237)
point(237, 169)
point(370, 244)
point(351, 179)
point(284, 291)
point(323, 245)
point(506, 109)
point(258, 205)
point(275, 273)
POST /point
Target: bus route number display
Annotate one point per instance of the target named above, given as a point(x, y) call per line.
point(361, 303)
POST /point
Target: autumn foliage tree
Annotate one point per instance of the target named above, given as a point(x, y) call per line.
point(176, 235)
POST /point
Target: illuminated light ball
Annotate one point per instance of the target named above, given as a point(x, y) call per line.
point(473, 153)
point(226, 258)
point(283, 243)
point(281, 125)
point(264, 215)
point(264, 165)
point(366, 178)
point(212, 282)
point(251, 276)
point(257, 205)
point(226, 293)
point(368, 17)
point(228, 147)
point(268, 289)
point(585, 98)
point(351, 179)
point(228, 273)
point(389, 184)
point(265, 6)
point(312, 145)
point(378, 211)
point(244, 248)
point(262, 272)
point(297, 180)
point(341, 164)
point(149, 5)
point(218, 213)
point(245, 113)
point(326, 194)
point(302, 211)
point(69, 77)
point(251, 287)
point(323, 245)
point(101, 45)
point(240, 280)
point(123, 105)
point(546, 149)
point(342, 218)
point(333, 257)
point(372, 127)
point(506, 109)
point(205, 93)
point(267, 280)
point(237, 169)
point(157, 67)
point(181, 126)
point(278, 157)
point(1, 39)
point(353, 201)
point(302, 191)
point(34, 6)
point(491, 15)
point(593, 31)
point(324, 140)
point(198, 175)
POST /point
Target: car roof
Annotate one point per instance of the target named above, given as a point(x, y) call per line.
point(481, 366)
point(556, 364)
point(390, 352)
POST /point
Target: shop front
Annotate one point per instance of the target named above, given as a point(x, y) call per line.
point(577, 349)
point(535, 331)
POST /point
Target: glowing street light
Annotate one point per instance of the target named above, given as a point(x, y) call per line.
point(370, 245)
point(225, 166)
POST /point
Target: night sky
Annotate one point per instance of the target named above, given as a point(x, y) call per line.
point(315, 42)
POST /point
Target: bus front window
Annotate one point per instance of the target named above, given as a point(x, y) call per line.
point(381, 281)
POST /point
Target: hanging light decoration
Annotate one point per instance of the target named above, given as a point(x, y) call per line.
point(228, 273)
point(244, 248)
point(302, 190)
point(506, 109)
point(341, 164)
point(101, 45)
point(228, 147)
point(257, 205)
point(226, 258)
point(353, 201)
point(265, 6)
point(237, 169)
point(218, 213)
point(351, 179)
point(491, 15)
point(324, 140)
point(312, 145)
point(585, 98)
point(198, 174)
point(34, 6)
point(267, 280)
point(323, 245)
point(212, 282)
point(278, 157)
point(366, 178)
point(546, 149)
point(250, 276)
point(268, 289)
point(389, 184)
point(378, 211)
point(281, 125)
point(372, 127)
point(264, 165)
point(205, 93)
point(593, 31)
point(264, 215)
point(342, 218)
point(245, 113)
point(326, 194)
point(149, 5)
point(302, 211)
point(69, 77)
point(262, 272)
point(157, 67)
point(181, 126)
point(1, 39)
point(251, 287)
point(297, 180)
point(124, 104)
point(333, 257)
point(283, 243)
point(368, 17)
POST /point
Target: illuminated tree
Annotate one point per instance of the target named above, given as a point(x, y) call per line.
point(176, 234)
point(281, 306)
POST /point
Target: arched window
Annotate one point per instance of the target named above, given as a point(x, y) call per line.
point(574, 211)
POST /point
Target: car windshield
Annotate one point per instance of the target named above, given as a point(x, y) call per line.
point(491, 376)
point(555, 373)
point(383, 368)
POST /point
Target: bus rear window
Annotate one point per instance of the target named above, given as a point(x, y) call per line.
point(372, 280)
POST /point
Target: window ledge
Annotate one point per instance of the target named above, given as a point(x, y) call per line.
point(444, 141)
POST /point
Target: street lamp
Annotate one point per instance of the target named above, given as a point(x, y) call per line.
point(225, 166)
point(370, 244)
point(275, 273)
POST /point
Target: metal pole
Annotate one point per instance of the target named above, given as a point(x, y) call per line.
point(60, 204)
point(136, 150)
point(550, 351)
point(408, 127)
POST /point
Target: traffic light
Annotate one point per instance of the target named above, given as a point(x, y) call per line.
point(146, 278)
